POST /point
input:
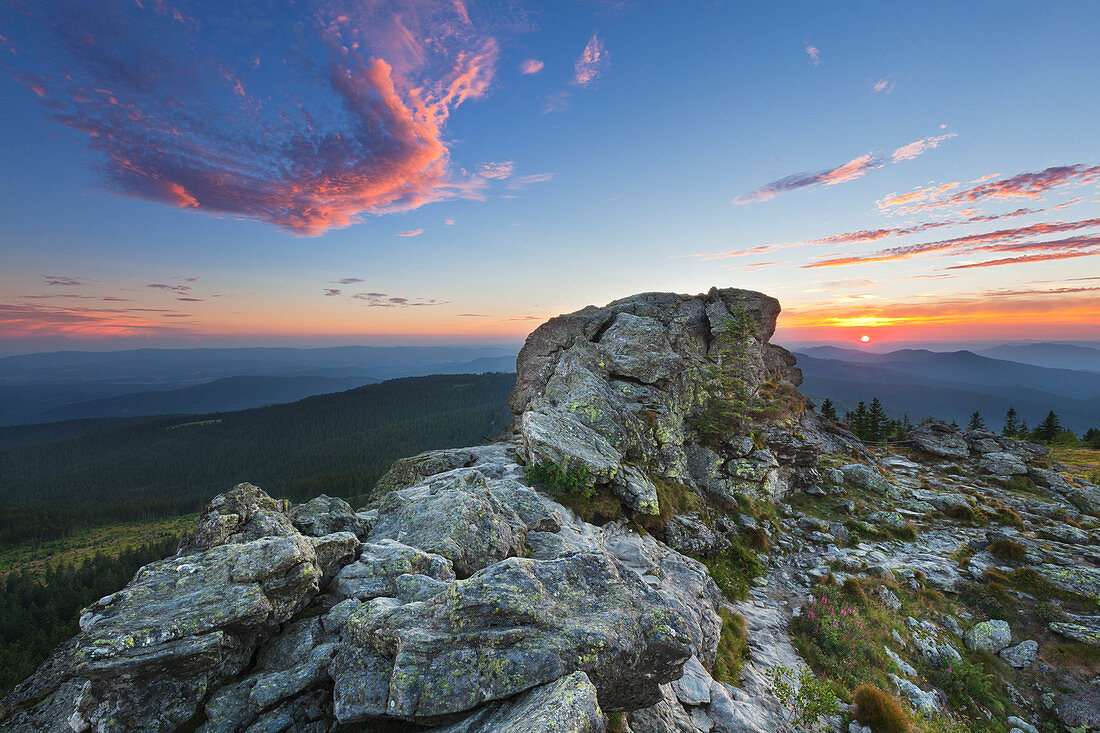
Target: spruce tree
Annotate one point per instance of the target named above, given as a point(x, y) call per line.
point(1012, 424)
point(877, 422)
point(1049, 428)
point(977, 422)
point(828, 409)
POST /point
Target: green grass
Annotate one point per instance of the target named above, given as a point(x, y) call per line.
point(734, 569)
point(110, 541)
point(733, 648)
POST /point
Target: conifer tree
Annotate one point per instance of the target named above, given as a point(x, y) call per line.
point(877, 422)
point(977, 422)
point(1049, 428)
point(1012, 424)
point(828, 409)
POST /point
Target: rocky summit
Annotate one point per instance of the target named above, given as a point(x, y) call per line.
point(665, 530)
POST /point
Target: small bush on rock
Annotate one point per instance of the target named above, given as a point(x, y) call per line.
point(880, 711)
point(1007, 550)
point(551, 476)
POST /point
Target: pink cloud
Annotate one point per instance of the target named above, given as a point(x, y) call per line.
point(814, 54)
point(917, 148)
point(498, 170)
point(882, 86)
point(531, 66)
point(356, 128)
point(853, 169)
point(411, 233)
point(592, 61)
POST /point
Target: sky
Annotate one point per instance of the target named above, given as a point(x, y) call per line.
point(211, 174)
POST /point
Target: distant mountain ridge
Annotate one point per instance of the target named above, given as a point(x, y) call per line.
point(36, 388)
point(950, 385)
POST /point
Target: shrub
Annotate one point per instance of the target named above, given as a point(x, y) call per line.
point(960, 513)
point(880, 711)
point(561, 479)
point(1007, 550)
point(853, 588)
point(836, 638)
point(972, 691)
point(807, 701)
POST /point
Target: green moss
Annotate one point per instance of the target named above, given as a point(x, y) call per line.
point(733, 570)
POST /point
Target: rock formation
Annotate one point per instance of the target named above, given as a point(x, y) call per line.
point(466, 598)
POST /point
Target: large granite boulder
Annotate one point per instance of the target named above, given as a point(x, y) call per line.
point(613, 389)
point(940, 439)
point(512, 626)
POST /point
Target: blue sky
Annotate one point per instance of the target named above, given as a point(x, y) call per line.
point(380, 172)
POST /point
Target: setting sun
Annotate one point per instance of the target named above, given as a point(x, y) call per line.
point(864, 339)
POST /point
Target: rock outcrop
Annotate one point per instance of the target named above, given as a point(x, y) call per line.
point(466, 599)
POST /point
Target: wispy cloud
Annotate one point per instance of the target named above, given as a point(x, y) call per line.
point(65, 280)
point(853, 169)
point(882, 86)
point(868, 235)
point(411, 233)
point(520, 182)
point(173, 288)
point(531, 66)
point(1029, 185)
point(348, 280)
point(1019, 239)
point(383, 300)
point(814, 54)
point(332, 292)
point(356, 127)
point(917, 148)
point(591, 63)
point(496, 171)
point(25, 321)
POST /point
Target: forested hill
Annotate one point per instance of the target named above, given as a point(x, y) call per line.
point(335, 443)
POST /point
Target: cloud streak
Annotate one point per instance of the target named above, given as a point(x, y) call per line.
point(850, 171)
point(352, 125)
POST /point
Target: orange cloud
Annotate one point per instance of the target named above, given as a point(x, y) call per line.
point(917, 148)
point(1015, 239)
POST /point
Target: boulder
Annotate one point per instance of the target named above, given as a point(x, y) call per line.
point(324, 515)
point(1022, 655)
point(988, 636)
point(459, 517)
point(566, 705)
point(515, 625)
point(381, 564)
point(940, 439)
point(867, 478)
point(1003, 464)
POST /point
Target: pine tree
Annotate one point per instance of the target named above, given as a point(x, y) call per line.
point(1049, 428)
point(1012, 424)
point(828, 409)
point(857, 420)
point(977, 422)
point(877, 422)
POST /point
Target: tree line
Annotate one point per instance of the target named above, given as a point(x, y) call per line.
point(39, 611)
point(335, 444)
point(871, 424)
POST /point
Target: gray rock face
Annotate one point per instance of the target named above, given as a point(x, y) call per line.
point(988, 636)
point(1003, 464)
point(862, 476)
point(1021, 655)
point(461, 516)
point(514, 625)
point(383, 564)
point(325, 515)
point(566, 705)
point(610, 388)
point(940, 439)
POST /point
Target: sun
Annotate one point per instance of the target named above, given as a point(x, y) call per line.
point(864, 339)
